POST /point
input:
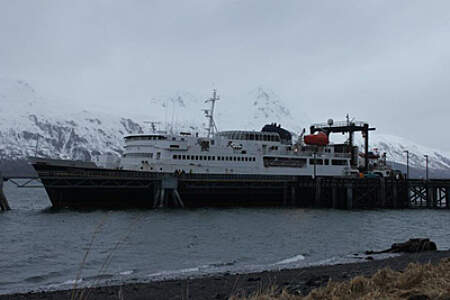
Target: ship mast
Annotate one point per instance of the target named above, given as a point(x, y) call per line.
point(209, 114)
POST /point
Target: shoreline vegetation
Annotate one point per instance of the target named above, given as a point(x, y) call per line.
point(390, 278)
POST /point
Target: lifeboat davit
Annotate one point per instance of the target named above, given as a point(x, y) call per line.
point(319, 139)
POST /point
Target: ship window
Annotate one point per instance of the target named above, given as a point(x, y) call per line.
point(327, 162)
point(338, 162)
point(174, 139)
point(234, 158)
point(213, 158)
point(158, 155)
point(196, 157)
point(174, 157)
point(184, 156)
point(239, 159)
point(316, 162)
point(209, 157)
point(252, 136)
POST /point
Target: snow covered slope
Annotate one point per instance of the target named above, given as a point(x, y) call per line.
point(68, 131)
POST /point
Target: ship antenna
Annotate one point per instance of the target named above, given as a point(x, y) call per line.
point(212, 129)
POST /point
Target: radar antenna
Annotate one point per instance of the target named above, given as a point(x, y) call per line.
point(153, 125)
point(209, 114)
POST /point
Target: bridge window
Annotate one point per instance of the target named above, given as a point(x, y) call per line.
point(338, 162)
point(316, 162)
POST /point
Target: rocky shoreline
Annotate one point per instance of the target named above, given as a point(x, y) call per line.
point(295, 281)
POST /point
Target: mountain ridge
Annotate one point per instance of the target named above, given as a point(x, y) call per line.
point(69, 132)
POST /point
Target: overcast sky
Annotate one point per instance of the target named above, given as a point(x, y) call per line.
point(387, 62)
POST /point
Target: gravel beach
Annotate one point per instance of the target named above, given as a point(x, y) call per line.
point(223, 286)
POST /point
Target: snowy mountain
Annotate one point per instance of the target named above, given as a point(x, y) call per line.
point(28, 119)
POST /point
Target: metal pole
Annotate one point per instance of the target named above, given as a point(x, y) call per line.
point(366, 146)
point(426, 166)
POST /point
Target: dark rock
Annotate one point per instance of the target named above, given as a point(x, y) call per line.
point(369, 257)
point(410, 246)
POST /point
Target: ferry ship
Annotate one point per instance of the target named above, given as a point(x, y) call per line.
point(220, 168)
point(271, 151)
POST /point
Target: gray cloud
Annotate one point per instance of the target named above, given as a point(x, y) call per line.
point(383, 61)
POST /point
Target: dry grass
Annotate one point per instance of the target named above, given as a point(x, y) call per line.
point(415, 282)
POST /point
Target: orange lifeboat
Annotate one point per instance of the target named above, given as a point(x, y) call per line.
point(319, 139)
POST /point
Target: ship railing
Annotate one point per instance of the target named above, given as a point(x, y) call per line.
point(340, 124)
point(345, 155)
point(92, 174)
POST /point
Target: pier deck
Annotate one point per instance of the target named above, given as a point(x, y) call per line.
point(110, 188)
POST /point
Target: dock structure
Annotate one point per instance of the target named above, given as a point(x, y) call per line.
point(4, 205)
point(117, 189)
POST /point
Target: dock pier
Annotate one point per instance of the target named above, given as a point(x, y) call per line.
point(4, 205)
point(80, 188)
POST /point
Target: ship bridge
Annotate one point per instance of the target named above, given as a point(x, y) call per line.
point(250, 135)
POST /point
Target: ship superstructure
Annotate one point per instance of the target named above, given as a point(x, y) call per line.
point(271, 151)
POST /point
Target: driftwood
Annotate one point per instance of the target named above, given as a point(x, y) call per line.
point(411, 246)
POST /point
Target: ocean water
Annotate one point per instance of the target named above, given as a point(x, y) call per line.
point(45, 249)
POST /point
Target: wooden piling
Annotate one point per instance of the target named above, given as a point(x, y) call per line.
point(166, 191)
point(293, 199)
point(334, 197)
point(156, 196)
point(285, 194)
point(395, 196)
point(3, 201)
point(434, 196)
point(317, 192)
point(382, 192)
point(447, 197)
point(178, 198)
point(349, 196)
point(429, 196)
